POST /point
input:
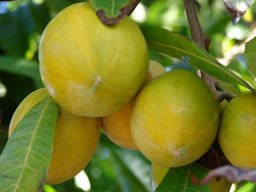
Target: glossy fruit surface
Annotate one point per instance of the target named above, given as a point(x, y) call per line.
point(75, 140)
point(89, 68)
point(237, 136)
point(175, 119)
point(31, 100)
point(117, 125)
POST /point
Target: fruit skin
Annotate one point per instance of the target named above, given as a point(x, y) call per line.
point(31, 100)
point(158, 173)
point(91, 69)
point(175, 119)
point(75, 140)
point(236, 135)
point(117, 125)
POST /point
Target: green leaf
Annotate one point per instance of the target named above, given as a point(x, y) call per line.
point(139, 168)
point(179, 179)
point(56, 6)
point(250, 55)
point(16, 28)
point(48, 188)
point(111, 12)
point(246, 187)
point(114, 168)
point(21, 67)
point(40, 14)
point(178, 46)
point(26, 156)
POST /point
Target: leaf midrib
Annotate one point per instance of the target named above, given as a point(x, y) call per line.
point(187, 53)
point(216, 64)
point(113, 8)
point(31, 144)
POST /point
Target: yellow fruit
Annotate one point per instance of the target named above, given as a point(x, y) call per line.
point(175, 119)
point(75, 140)
point(220, 185)
point(117, 125)
point(89, 68)
point(158, 173)
point(237, 136)
point(31, 100)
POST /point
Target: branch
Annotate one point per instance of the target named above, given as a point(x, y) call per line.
point(199, 37)
point(195, 28)
point(216, 159)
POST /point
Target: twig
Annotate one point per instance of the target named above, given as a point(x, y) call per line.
point(199, 37)
point(195, 28)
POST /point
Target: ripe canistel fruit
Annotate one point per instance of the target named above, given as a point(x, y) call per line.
point(236, 135)
point(75, 139)
point(91, 69)
point(117, 125)
point(175, 119)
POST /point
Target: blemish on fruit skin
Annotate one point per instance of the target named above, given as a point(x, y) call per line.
point(178, 154)
point(97, 81)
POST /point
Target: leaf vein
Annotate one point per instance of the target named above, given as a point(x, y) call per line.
point(39, 155)
point(31, 142)
point(10, 170)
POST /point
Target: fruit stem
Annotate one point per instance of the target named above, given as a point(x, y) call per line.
point(124, 11)
point(131, 6)
point(199, 37)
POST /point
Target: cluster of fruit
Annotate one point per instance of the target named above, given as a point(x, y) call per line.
point(101, 77)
